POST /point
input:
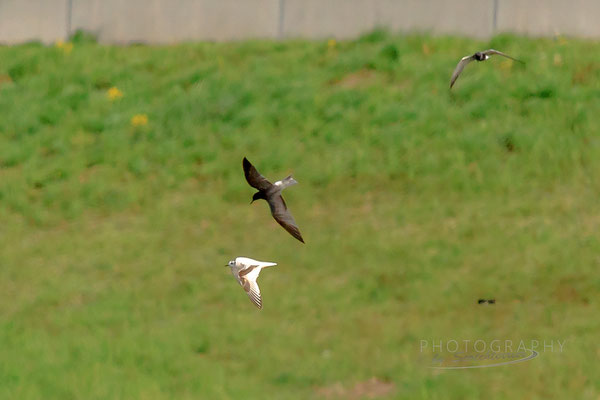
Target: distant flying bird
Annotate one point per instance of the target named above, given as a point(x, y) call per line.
point(246, 271)
point(271, 192)
point(483, 301)
point(479, 56)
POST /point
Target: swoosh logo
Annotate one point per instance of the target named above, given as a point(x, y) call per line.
point(533, 355)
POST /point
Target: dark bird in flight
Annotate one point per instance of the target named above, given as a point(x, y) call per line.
point(271, 192)
point(479, 56)
point(484, 301)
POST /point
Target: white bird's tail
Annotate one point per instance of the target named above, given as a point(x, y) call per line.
point(268, 264)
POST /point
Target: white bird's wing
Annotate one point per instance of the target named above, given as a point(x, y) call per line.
point(459, 68)
point(248, 279)
point(245, 262)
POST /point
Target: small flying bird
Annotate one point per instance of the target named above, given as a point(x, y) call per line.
point(246, 271)
point(479, 56)
point(484, 301)
point(271, 192)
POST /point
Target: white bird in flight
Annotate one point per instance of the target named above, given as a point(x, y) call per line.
point(246, 271)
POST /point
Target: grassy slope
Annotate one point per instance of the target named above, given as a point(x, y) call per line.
point(414, 201)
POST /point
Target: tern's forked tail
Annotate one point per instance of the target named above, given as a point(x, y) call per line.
point(289, 181)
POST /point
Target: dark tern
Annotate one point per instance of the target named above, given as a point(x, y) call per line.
point(271, 192)
point(479, 56)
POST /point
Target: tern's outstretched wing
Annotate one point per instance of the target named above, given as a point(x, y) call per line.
point(459, 68)
point(254, 178)
point(491, 52)
point(283, 216)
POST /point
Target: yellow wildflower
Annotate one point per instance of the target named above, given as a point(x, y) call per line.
point(114, 93)
point(331, 43)
point(139, 120)
point(66, 47)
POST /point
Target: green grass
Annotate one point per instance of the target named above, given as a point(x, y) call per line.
point(414, 201)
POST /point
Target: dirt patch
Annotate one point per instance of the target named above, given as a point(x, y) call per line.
point(359, 79)
point(584, 74)
point(5, 79)
point(371, 389)
point(568, 290)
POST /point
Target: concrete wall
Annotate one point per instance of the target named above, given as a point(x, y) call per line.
point(168, 21)
point(24, 20)
point(348, 18)
point(550, 17)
